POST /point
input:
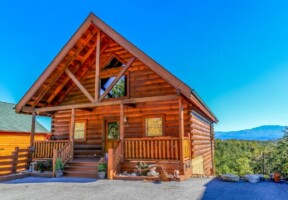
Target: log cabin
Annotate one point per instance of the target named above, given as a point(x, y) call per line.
point(15, 129)
point(107, 97)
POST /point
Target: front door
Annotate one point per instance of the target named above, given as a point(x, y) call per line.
point(112, 133)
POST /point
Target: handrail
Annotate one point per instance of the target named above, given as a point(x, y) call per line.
point(65, 154)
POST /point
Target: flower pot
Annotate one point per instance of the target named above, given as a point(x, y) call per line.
point(59, 173)
point(102, 174)
point(277, 177)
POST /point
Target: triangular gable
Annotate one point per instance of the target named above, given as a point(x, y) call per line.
point(154, 66)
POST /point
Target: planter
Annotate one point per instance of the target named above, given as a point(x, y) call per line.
point(59, 173)
point(102, 174)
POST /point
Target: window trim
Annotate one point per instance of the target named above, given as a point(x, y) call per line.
point(154, 116)
point(85, 130)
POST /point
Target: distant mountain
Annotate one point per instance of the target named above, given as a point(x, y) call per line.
point(263, 133)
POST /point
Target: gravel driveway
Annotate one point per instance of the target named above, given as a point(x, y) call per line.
point(200, 188)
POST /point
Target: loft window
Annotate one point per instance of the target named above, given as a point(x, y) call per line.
point(113, 63)
point(119, 89)
point(153, 126)
point(80, 130)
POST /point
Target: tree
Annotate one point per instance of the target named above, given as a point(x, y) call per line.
point(280, 158)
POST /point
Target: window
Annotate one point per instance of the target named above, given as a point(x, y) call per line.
point(80, 131)
point(153, 126)
point(113, 130)
point(113, 63)
point(119, 89)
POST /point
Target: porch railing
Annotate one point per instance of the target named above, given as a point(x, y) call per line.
point(152, 148)
point(64, 154)
point(44, 149)
point(114, 159)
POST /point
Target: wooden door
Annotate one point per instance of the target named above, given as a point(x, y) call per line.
point(112, 133)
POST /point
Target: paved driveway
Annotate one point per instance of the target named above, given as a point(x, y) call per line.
point(200, 188)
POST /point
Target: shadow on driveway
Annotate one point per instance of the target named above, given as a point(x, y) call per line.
point(265, 190)
point(50, 180)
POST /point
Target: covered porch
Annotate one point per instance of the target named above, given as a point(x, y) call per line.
point(170, 151)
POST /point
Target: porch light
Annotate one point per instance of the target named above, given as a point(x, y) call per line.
point(125, 119)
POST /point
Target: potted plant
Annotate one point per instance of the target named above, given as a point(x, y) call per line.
point(102, 167)
point(59, 166)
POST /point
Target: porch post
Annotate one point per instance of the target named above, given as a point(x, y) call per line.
point(212, 147)
point(32, 129)
point(122, 130)
point(181, 129)
point(72, 127)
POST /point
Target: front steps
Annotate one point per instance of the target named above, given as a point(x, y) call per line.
point(81, 168)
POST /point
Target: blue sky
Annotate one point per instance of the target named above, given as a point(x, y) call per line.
point(233, 53)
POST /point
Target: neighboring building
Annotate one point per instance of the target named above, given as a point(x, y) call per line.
point(15, 129)
point(106, 95)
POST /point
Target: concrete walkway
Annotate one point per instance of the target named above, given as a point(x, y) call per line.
point(77, 188)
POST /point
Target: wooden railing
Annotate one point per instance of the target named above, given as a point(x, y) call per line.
point(15, 162)
point(114, 159)
point(44, 149)
point(65, 154)
point(152, 148)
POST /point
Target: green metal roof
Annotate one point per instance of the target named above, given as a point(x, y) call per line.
point(11, 121)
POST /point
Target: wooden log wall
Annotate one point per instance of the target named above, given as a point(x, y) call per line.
point(142, 81)
point(8, 141)
point(134, 128)
point(201, 142)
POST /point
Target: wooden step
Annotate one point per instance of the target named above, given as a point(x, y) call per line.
point(88, 152)
point(81, 168)
point(80, 174)
point(84, 146)
point(82, 163)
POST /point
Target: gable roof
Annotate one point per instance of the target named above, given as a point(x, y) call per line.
point(11, 121)
point(145, 59)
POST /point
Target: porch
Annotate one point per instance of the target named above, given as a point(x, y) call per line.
point(169, 152)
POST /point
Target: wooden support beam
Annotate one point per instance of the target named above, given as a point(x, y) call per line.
point(122, 130)
point(97, 66)
point(33, 129)
point(181, 128)
point(63, 83)
point(103, 48)
point(129, 63)
point(79, 85)
point(59, 74)
point(52, 66)
point(107, 103)
point(71, 130)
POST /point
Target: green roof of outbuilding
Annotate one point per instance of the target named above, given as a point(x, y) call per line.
point(11, 121)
